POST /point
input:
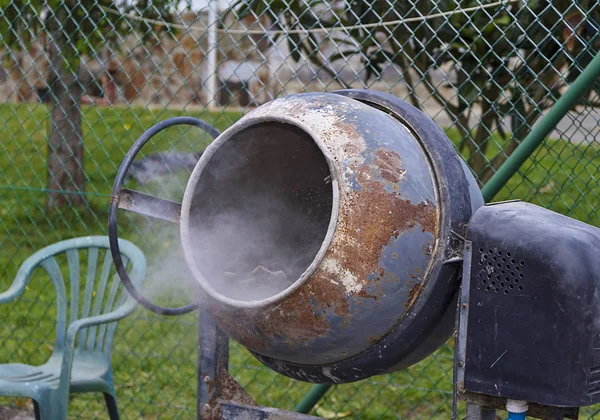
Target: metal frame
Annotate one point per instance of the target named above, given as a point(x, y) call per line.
point(219, 394)
point(461, 331)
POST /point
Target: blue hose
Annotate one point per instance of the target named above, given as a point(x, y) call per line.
point(516, 409)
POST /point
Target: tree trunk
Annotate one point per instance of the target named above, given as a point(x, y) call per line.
point(66, 178)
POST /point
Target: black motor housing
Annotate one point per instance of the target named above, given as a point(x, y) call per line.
point(533, 310)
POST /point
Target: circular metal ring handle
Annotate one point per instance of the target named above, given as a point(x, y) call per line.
point(114, 206)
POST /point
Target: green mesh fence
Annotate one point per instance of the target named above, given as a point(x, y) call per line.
point(81, 80)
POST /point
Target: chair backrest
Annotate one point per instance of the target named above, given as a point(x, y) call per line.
point(101, 292)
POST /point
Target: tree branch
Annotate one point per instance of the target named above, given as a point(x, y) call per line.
point(412, 94)
point(321, 64)
point(480, 143)
point(463, 128)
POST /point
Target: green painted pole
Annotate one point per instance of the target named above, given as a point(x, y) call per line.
point(542, 129)
point(311, 398)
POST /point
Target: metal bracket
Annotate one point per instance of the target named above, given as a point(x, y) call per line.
point(460, 347)
point(214, 380)
point(477, 412)
point(220, 396)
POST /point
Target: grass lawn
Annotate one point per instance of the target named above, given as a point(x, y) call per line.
point(155, 357)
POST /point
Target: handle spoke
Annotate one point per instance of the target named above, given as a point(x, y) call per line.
point(149, 205)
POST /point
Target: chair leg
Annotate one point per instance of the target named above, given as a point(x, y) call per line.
point(36, 410)
point(49, 411)
point(111, 405)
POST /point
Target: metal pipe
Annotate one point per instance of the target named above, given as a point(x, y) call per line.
point(149, 205)
point(311, 398)
point(542, 129)
point(212, 47)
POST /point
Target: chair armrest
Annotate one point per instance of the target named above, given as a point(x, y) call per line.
point(121, 312)
point(67, 360)
point(71, 337)
point(18, 285)
point(14, 291)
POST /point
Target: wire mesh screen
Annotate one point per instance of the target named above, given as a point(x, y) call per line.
point(81, 80)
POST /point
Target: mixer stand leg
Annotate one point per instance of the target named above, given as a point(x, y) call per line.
point(477, 412)
point(219, 394)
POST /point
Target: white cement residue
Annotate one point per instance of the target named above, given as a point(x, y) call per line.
point(349, 280)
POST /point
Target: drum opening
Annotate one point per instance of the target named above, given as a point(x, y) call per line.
point(261, 211)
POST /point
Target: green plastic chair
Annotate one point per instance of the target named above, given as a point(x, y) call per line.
point(81, 357)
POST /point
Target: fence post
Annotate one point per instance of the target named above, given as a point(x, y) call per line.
point(311, 398)
point(544, 127)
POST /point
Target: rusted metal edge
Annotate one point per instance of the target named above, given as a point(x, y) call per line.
point(534, 410)
point(231, 391)
point(149, 205)
point(231, 410)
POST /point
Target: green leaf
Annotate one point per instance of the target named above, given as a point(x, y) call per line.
point(504, 20)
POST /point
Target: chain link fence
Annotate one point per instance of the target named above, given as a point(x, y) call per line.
point(81, 80)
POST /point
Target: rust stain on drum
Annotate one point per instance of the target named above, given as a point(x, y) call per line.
point(374, 216)
point(292, 319)
point(389, 164)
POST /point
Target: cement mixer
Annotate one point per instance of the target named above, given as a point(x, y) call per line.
point(368, 199)
point(328, 233)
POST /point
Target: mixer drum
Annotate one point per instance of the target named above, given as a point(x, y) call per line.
point(325, 230)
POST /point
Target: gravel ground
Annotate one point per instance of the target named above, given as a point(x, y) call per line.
point(9, 413)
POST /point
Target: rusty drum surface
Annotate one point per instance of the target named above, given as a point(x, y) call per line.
point(369, 198)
